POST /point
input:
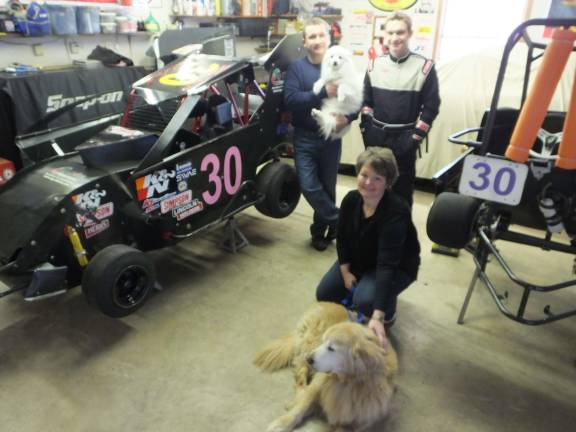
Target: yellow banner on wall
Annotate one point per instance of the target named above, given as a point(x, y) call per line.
point(392, 5)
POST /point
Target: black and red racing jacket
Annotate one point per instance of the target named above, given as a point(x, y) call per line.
point(402, 91)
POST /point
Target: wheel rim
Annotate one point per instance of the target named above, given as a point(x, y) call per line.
point(131, 286)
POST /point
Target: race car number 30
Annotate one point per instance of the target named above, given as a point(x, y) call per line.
point(493, 179)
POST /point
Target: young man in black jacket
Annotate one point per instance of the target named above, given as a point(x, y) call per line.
point(401, 101)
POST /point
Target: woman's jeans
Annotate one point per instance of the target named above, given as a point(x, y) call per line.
point(332, 289)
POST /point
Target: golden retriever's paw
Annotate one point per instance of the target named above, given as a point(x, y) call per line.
point(302, 377)
point(281, 424)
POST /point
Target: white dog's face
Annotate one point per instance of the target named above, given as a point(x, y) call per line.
point(347, 348)
point(329, 357)
point(336, 57)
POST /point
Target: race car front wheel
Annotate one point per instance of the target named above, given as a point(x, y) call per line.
point(452, 219)
point(278, 183)
point(118, 280)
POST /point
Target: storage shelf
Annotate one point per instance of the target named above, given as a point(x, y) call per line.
point(82, 3)
point(21, 36)
point(240, 17)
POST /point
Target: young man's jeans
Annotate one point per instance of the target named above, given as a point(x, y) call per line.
point(316, 162)
point(332, 289)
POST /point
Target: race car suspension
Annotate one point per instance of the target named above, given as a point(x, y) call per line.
point(79, 250)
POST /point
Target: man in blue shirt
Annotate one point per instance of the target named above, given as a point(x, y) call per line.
point(315, 158)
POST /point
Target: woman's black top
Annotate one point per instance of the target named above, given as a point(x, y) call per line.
point(386, 241)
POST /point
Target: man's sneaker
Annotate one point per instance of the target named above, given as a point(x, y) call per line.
point(319, 243)
point(331, 234)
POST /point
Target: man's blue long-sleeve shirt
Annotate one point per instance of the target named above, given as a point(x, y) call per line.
point(298, 95)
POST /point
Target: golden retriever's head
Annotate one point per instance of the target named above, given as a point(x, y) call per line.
point(336, 58)
point(348, 349)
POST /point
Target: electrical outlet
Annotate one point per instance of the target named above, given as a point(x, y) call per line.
point(73, 47)
point(38, 50)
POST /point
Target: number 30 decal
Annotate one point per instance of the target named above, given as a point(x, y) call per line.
point(213, 162)
point(504, 179)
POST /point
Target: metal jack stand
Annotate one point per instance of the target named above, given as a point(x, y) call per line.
point(233, 239)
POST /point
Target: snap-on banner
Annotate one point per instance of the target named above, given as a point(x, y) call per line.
point(33, 96)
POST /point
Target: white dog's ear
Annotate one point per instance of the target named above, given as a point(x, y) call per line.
point(367, 356)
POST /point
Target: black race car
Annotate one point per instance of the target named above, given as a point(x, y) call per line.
point(199, 142)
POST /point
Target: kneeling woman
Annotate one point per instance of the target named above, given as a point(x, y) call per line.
point(377, 244)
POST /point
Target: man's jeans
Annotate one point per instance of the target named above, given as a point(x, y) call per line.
point(316, 162)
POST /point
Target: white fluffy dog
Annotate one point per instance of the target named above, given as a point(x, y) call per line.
point(338, 68)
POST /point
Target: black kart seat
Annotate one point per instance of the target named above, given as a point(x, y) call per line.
point(116, 144)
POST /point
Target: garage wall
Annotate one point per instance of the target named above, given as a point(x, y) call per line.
point(458, 41)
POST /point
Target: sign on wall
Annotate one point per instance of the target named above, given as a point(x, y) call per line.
point(392, 5)
point(362, 24)
point(424, 14)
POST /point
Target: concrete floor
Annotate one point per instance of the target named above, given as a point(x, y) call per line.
point(183, 362)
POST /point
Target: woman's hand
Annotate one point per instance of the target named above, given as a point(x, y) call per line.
point(347, 276)
point(349, 280)
point(378, 328)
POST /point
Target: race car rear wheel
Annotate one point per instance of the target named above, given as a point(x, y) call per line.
point(278, 183)
point(118, 280)
point(451, 219)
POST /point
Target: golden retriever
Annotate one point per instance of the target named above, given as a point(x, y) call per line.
point(354, 376)
point(293, 349)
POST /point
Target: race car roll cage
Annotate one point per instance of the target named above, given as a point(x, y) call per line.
point(490, 225)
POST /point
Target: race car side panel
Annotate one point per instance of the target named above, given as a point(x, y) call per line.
point(205, 183)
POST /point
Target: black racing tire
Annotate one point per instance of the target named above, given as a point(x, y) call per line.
point(452, 219)
point(118, 280)
point(278, 183)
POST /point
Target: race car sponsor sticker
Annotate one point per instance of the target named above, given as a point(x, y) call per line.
point(185, 171)
point(176, 201)
point(90, 218)
point(153, 184)
point(152, 204)
point(188, 209)
point(65, 176)
point(277, 81)
point(91, 209)
point(89, 200)
point(96, 229)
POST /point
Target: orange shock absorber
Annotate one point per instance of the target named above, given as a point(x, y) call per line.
point(536, 106)
point(567, 152)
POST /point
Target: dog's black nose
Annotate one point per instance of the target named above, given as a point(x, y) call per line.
point(310, 360)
